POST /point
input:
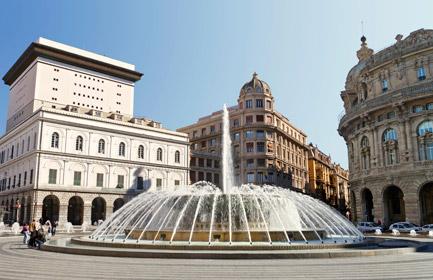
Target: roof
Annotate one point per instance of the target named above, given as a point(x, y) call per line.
point(73, 56)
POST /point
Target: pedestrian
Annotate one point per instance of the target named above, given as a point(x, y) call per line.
point(49, 229)
point(54, 228)
point(26, 233)
point(32, 226)
point(40, 238)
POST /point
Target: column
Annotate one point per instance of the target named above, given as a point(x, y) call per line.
point(87, 212)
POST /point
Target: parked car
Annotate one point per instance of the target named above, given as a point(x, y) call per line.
point(427, 228)
point(404, 227)
point(368, 227)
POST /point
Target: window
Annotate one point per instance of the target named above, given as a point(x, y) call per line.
point(31, 177)
point(250, 163)
point(159, 154)
point(176, 182)
point(236, 136)
point(250, 147)
point(260, 134)
point(177, 157)
point(249, 119)
point(22, 147)
point(424, 128)
point(261, 162)
point(260, 118)
point(122, 149)
point(35, 141)
point(99, 179)
point(236, 123)
point(79, 143)
point(12, 151)
point(25, 178)
point(421, 73)
point(250, 177)
point(52, 176)
point(389, 135)
point(120, 181)
point(259, 103)
point(28, 143)
point(212, 129)
point(77, 178)
point(201, 162)
point(101, 146)
point(384, 85)
point(249, 134)
point(212, 142)
point(19, 180)
point(249, 104)
point(216, 164)
point(140, 183)
point(158, 183)
point(141, 151)
point(54, 140)
point(268, 104)
point(269, 120)
point(417, 108)
point(260, 147)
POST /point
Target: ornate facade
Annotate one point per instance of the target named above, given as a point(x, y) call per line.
point(73, 150)
point(328, 180)
point(388, 128)
point(268, 149)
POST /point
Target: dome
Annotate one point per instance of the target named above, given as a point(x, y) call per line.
point(202, 214)
point(255, 86)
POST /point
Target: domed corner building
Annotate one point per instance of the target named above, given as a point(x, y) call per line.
point(388, 128)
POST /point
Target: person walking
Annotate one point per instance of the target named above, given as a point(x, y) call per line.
point(26, 233)
point(32, 226)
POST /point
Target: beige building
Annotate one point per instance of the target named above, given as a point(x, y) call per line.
point(268, 149)
point(73, 150)
point(328, 181)
point(388, 128)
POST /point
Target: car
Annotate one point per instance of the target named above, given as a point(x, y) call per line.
point(404, 227)
point(427, 228)
point(368, 227)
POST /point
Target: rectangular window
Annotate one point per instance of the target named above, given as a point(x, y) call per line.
point(268, 104)
point(208, 163)
point(201, 162)
point(250, 163)
point(52, 176)
point(260, 134)
point(429, 106)
point(31, 177)
point(158, 183)
point(77, 178)
point(192, 177)
point(212, 142)
point(417, 109)
point(260, 177)
point(19, 180)
point(249, 119)
point(250, 177)
point(250, 147)
point(216, 179)
point(236, 123)
point(176, 182)
point(15, 180)
point(249, 104)
point(209, 177)
point(269, 120)
point(390, 115)
point(259, 103)
point(261, 162)
point(421, 73)
point(236, 136)
point(260, 118)
point(120, 181)
point(203, 131)
point(25, 178)
point(260, 147)
point(216, 164)
point(212, 129)
point(203, 144)
point(384, 85)
point(249, 134)
point(140, 183)
point(200, 176)
point(99, 179)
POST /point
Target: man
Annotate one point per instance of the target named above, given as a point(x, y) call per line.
point(32, 226)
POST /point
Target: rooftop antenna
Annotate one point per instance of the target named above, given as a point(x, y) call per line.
point(362, 27)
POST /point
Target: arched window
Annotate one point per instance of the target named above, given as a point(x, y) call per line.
point(177, 157)
point(55, 140)
point(122, 149)
point(390, 146)
point(365, 153)
point(364, 91)
point(425, 140)
point(79, 143)
point(101, 146)
point(159, 154)
point(141, 151)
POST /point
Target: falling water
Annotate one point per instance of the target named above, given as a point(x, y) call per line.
point(227, 166)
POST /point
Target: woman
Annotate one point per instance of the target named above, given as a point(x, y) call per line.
point(26, 233)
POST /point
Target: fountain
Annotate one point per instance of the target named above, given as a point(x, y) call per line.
point(15, 228)
point(2, 226)
point(203, 214)
point(68, 227)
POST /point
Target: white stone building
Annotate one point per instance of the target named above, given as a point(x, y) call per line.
point(73, 151)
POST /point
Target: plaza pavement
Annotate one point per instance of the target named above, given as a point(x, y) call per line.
point(17, 261)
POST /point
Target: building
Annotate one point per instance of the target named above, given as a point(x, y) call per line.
point(388, 125)
point(73, 150)
point(268, 149)
point(328, 181)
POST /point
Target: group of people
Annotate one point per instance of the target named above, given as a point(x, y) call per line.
point(38, 232)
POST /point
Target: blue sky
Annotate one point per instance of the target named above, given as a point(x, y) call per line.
point(196, 55)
